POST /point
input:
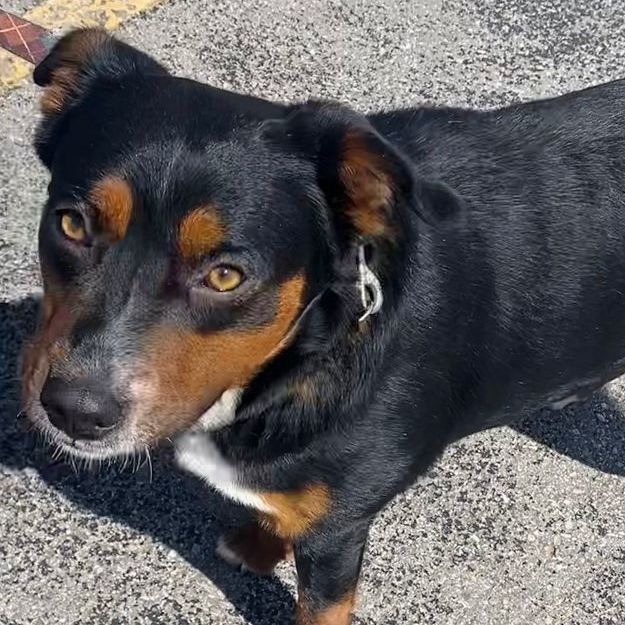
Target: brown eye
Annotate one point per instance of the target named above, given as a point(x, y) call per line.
point(73, 226)
point(223, 278)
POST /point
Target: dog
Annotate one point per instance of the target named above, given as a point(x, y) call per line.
point(313, 303)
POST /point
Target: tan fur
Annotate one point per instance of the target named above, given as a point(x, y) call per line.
point(367, 187)
point(305, 390)
point(112, 198)
point(340, 613)
point(199, 233)
point(71, 55)
point(55, 96)
point(293, 513)
point(46, 346)
point(192, 370)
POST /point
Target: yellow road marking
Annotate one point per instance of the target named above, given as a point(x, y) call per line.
point(61, 15)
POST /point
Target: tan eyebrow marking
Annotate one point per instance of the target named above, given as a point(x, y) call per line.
point(199, 233)
point(112, 198)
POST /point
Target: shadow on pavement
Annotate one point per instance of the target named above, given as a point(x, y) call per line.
point(591, 432)
point(181, 513)
point(177, 510)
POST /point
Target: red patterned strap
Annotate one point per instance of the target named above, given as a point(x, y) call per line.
point(24, 39)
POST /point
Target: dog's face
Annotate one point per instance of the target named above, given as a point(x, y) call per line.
point(185, 233)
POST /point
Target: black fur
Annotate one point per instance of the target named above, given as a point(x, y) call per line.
point(504, 287)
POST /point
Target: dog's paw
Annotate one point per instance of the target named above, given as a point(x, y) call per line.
point(254, 549)
point(229, 555)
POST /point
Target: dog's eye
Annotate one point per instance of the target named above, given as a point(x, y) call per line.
point(73, 226)
point(223, 278)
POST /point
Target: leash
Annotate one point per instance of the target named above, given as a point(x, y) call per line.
point(24, 39)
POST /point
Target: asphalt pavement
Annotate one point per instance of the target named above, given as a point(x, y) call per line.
point(522, 526)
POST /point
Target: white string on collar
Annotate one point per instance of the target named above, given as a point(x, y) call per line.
point(371, 296)
point(369, 286)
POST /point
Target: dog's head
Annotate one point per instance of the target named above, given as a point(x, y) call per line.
point(187, 230)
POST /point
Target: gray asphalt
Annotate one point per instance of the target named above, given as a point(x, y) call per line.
point(521, 526)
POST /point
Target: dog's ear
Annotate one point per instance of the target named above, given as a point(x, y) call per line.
point(77, 61)
point(364, 178)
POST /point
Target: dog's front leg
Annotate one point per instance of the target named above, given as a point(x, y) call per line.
point(328, 561)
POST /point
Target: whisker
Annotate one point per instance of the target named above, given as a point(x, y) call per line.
point(58, 452)
point(149, 461)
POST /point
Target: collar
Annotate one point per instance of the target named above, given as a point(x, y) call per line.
point(370, 290)
point(369, 287)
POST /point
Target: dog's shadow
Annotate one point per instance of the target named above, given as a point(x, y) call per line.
point(591, 432)
point(175, 509)
point(179, 512)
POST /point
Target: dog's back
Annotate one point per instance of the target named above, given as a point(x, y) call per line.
point(525, 297)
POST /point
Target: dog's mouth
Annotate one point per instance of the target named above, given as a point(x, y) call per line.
point(120, 443)
point(125, 440)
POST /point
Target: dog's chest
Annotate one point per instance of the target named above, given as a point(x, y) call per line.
point(197, 453)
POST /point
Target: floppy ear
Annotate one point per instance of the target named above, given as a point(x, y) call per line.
point(75, 63)
point(369, 184)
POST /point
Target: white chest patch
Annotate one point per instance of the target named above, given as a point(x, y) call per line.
point(197, 453)
point(222, 412)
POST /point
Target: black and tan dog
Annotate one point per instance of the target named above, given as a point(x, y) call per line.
point(316, 302)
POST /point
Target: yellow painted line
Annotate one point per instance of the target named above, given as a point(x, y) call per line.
point(61, 15)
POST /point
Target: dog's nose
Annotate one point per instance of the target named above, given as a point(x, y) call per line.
point(83, 409)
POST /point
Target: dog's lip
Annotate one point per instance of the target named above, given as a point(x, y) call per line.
point(94, 450)
point(79, 444)
point(63, 438)
point(105, 447)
